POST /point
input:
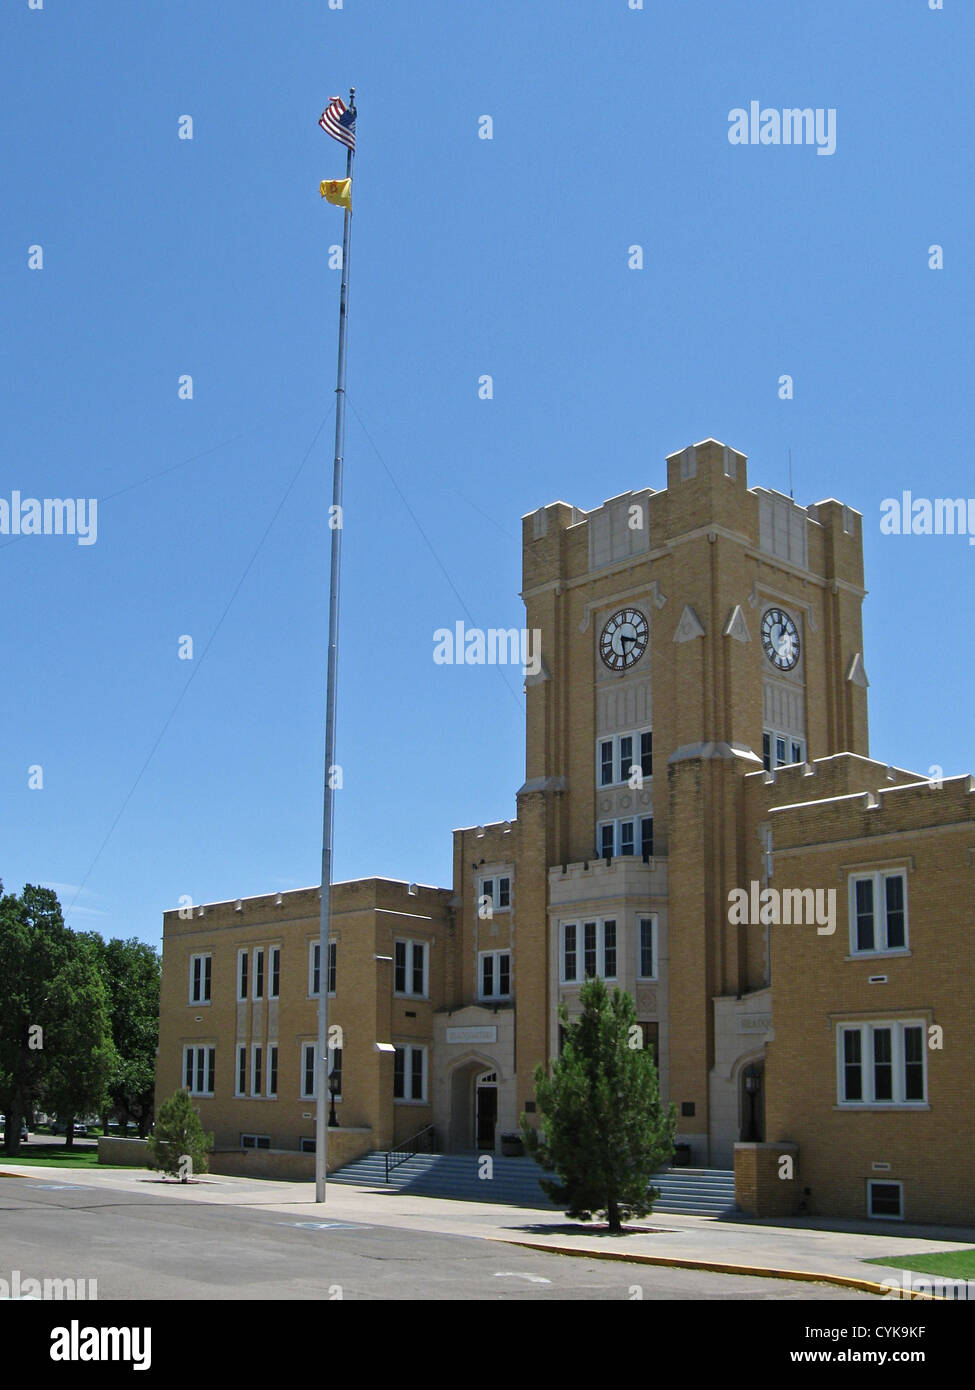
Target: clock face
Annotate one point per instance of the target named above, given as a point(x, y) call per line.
point(624, 639)
point(780, 639)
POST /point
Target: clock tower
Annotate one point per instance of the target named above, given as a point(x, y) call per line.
point(690, 636)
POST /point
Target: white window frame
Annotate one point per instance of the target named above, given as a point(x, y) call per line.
point(866, 1029)
point(580, 924)
point(204, 998)
point(257, 1082)
point(496, 974)
point(621, 775)
point(209, 1067)
point(333, 950)
point(272, 1047)
point(408, 1050)
point(879, 881)
point(260, 959)
point(636, 820)
point(273, 953)
point(652, 918)
point(494, 896)
point(883, 1182)
point(792, 741)
point(243, 967)
point(303, 1071)
point(411, 943)
point(256, 1138)
point(240, 1089)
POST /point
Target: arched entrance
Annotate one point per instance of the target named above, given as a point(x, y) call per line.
point(473, 1088)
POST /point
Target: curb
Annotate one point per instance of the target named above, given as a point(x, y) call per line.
point(845, 1281)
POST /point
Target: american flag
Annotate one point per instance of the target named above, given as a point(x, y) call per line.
point(339, 122)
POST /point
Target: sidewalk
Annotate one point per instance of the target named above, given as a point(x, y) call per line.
point(806, 1250)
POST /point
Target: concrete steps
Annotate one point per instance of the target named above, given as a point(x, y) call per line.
point(514, 1182)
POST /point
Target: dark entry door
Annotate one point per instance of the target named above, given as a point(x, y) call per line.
point(487, 1116)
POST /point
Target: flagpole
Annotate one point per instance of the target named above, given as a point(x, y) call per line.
point(335, 523)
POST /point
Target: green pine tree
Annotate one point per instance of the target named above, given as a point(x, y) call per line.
point(179, 1137)
point(603, 1131)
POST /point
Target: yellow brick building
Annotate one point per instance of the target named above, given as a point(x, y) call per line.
point(696, 731)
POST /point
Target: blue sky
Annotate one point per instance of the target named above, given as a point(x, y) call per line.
point(208, 257)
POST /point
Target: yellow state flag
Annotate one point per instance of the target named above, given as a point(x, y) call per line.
point(337, 191)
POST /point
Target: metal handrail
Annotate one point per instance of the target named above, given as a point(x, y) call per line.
point(409, 1148)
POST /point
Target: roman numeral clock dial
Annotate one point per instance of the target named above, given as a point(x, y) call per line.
point(780, 639)
point(624, 639)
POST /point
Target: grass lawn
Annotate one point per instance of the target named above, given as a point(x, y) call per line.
point(56, 1156)
point(950, 1264)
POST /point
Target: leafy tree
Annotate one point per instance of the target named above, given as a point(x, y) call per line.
point(179, 1136)
point(131, 970)
point(603, 1131)
point(78, 1044)
point(35, 946)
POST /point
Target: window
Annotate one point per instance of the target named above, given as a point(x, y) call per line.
point(200, 979)
point(609, 950)
point(306, 1146)
point(335, 1072)
point(788, 749)
point(624, 758)
point(259, 973)
point(255, 1141)
point(598, 948)
point(314, 967)
point(198, 1070)
point(646, 753)
point(589, 937)
point(569, 953)
point(624, 837)
point(257, 1063)
point(494, 974)
point(274, 985)
point(881, 1064)
point(647, 948)
point(308, 1071)
point(885, 1200)
point(410, 1074)
point(272, 1070)
point(241, 1070)
point(878, 912)
point(242, 963)
point(497, 891)
point(410, 968)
